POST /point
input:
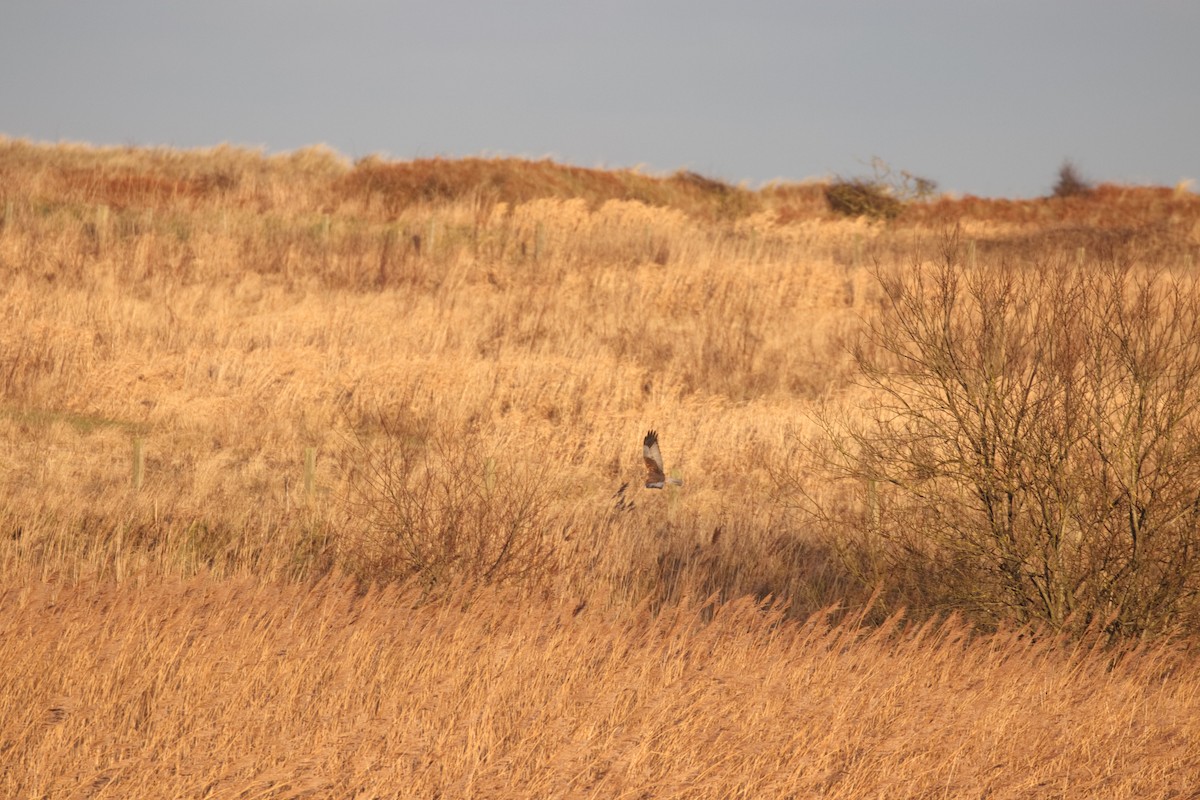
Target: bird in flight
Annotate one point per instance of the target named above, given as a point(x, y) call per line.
point(655, 477)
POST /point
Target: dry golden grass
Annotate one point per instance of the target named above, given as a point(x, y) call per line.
point(230, 338)
point(231, 310)
point(245, 688)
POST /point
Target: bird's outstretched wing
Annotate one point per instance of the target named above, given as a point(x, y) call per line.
point(654, 463)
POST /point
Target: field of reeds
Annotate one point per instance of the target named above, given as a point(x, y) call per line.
point(313, 477)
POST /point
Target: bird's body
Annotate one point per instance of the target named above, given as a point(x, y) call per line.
point(656, 478)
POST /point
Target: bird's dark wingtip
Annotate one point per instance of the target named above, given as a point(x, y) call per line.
point(651, 438)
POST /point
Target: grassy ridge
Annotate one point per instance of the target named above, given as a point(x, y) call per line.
point(529, 321)
point(318, 180)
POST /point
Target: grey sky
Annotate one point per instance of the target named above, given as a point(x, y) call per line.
point(983, 97)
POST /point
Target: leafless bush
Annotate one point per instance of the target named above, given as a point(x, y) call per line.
point(436, 506)
point(1070, 182)
point(882, 196)
point(1033, 453)
point(859, 197)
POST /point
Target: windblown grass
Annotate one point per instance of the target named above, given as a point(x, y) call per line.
point(231, 310)
point(241, 688)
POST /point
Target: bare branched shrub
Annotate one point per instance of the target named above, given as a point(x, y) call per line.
point(1033, 451)
point(437, 507)
point(1070, 182)
point(882, 196)
point(859, 197)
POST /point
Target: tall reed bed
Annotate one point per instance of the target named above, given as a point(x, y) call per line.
point(256, 688)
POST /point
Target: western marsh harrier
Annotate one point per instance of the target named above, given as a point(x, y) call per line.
point(655, 477)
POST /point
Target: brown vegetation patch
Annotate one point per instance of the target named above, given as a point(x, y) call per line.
point(1107, 206)
point(399, 185)
point(125, 190)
